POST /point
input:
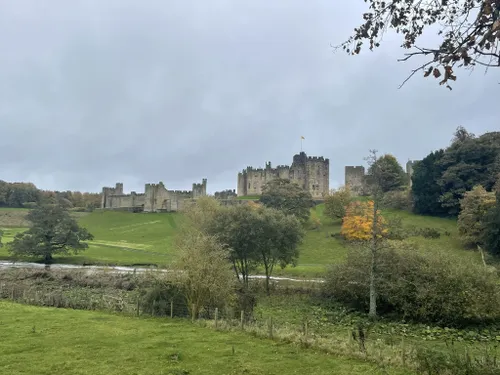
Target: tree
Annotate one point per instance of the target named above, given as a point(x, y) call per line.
point(280, 237)
point(425, 188)
point(491, 226)
point(392, 175)
point(53, 231)
point(257, 236)
point(364, 224)
point(287, 196)
point(474, 207)
point(206, 277)
point(358, 222)
point(469, 32)
point(468, 162)
point(336, 202)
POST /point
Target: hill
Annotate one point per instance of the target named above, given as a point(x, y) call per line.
point(123, 238)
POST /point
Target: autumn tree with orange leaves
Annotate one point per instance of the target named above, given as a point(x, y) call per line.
point(364, 225)
point(358, 222)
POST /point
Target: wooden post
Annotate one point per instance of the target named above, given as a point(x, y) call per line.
point(216, 316)
point(305, 328)
point(193, 313)
point(138, 305)
point(242, 317)
point(153, 308)
point(172, 308)
point(270, 326)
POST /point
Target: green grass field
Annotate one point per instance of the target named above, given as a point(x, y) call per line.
point(36, 340)
point(123, 238)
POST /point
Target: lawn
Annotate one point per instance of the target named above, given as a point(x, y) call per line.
point(123, 238)
point(36, 340)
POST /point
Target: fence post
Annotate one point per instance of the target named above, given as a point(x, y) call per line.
point(305, 328)
point(216, 316)
point(193, 313)
point(172, 308)
point(153, 305)
point(138, 305)
point(270, 326)
point(242, 316)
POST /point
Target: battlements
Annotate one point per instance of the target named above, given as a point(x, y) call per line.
point(181, 192)
point(317, 159)
point(312, 173)
point(156, 198)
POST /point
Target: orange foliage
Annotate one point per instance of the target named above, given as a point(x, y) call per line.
point(254, 205)
point(357, 224)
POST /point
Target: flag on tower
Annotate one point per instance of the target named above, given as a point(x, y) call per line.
point(302, 137)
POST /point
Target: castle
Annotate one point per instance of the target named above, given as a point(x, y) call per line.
point(311, 173)
point(156, 198)
point(356, 178)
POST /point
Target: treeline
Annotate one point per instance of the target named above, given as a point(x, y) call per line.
point(442, 178)
point(27, 195)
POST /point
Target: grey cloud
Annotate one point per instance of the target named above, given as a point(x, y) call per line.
point(95, 92)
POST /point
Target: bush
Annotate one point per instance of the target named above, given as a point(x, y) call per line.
point(398, 200)
point(78, 209)
point(429, 233)
point(30, 205)
point(158, 298)
point(428, 288)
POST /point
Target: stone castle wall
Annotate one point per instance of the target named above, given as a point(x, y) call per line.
point(156, 198)
point(311, 173)
point(356, 179)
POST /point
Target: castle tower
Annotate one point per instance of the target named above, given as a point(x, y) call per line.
point(354, 178)
point(310, 173)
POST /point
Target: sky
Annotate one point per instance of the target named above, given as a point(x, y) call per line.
point(95, 92)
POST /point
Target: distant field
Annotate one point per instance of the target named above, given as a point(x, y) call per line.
point(46, 341)
point(123, 238)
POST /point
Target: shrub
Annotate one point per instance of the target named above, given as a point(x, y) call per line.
point(398, 200)
point(429, 233)
point(336, 203)
point(420, 287)
point(30, 205)
point(157, 300)
point(474, 208)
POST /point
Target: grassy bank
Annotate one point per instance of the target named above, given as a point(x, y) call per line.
point(41, 341)
point(123, 238)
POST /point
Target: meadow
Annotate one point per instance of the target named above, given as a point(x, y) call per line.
point(142, 239)
point(41, 340)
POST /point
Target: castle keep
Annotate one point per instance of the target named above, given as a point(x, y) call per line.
point(311, 173)
point(156, 198)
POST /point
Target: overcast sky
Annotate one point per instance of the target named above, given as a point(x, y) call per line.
point(95, 92)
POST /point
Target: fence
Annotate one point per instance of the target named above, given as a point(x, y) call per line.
point(383, 350)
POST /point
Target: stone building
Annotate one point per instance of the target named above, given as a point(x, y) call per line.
point(156, 198)
point(225, 194)
point(310, 172)
point(356, 178)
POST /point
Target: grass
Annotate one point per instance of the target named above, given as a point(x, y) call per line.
point(123, 238)
point(42, 341)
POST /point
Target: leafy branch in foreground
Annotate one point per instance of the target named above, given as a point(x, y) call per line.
point(470, 32)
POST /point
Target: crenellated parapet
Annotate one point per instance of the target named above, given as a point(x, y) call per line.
point(312, 173)
point(156, 197)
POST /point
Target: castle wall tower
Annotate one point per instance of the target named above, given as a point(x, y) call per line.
point(409, 171)
point(354, 178)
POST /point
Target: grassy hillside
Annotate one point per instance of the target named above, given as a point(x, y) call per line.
point(123, 238)
point(42, 341)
